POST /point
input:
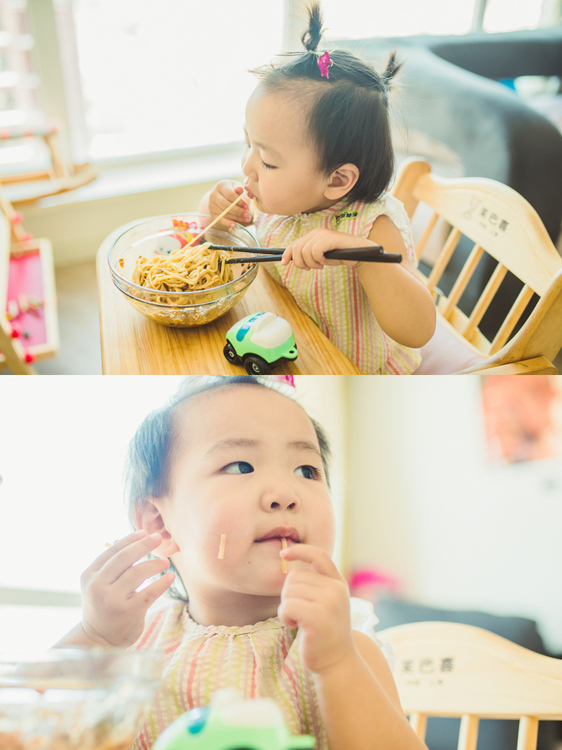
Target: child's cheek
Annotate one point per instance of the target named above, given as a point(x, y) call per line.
point(228, 536)
point(324, 536)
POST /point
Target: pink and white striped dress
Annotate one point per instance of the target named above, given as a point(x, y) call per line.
point(333, 296)
point(260, 660)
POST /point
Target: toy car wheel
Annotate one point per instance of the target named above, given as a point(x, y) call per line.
point(256, 365)
point(230, 353)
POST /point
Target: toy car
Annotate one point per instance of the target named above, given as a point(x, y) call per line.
point(260, 341)
point(232, 723)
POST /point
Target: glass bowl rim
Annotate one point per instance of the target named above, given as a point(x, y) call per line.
point(145, 289)
point(77, 655)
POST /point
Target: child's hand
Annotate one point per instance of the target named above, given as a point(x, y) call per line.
point(317, 602)
point(221, 196)
point(113, 611)
point(308, 251)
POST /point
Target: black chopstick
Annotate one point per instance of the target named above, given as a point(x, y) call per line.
point(254, 259)
point(238, 249)
point(372, 254)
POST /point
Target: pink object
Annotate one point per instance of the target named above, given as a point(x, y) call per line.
point(26, 277)
point(17, 217)
point(367, 583)
point(29, 357)
point(26, 236)
point(324, 63)
point(289, 379)
point(15, 333)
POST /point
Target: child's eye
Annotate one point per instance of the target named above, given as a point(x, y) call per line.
point(238, 467)
point(268, 166)
point(307, 472)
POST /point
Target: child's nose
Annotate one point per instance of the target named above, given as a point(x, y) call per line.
point(248, 164)
point(280, 497)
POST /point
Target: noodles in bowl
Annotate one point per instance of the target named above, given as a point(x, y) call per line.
point(184, 270)
point(175, 284)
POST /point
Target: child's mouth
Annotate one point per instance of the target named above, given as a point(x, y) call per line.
point(276, 536)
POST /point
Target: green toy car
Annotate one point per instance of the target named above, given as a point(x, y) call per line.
point(232, 723)
point(260, 341)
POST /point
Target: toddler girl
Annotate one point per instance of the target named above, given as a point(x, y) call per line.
point(318, 161)
point(228, 481)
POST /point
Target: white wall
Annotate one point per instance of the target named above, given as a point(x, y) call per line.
point(428, 506)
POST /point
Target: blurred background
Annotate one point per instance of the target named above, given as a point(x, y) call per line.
point(118, 110)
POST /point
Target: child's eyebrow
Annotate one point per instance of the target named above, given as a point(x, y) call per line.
point(305, 445)
point(228, 443)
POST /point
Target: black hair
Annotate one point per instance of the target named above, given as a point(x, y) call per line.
point(152, 449)
point(348, 111)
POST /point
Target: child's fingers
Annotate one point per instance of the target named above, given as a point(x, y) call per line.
point(132, 578)
point(120, 544)
point(306, 578)
point(301, 591)
point(149, 595)
point(299, 612)
point(125, 558)
point(319, 559)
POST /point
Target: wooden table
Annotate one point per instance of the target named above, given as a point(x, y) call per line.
point(133, 345)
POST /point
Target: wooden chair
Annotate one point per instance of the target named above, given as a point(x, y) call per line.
point(503, 225)
point(452, 670)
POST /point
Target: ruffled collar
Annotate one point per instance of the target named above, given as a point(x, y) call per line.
point(343, 205)
point(273, 623)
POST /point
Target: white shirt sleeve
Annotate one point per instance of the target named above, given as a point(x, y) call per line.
point(364, 619)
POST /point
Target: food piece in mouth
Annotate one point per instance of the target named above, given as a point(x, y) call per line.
point(222, 546)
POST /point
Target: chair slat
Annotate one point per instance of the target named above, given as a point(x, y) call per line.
point(418, 722)
point(463, 279)
point(468, 735)
point(528, 733)
point(517, 309)
point(517, 238)
point(485, 299)
point(444, 257)
point(425, 236)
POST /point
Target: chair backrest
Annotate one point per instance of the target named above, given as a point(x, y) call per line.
point(452, 670)
point(504, 226)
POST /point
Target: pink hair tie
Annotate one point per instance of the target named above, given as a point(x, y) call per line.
point(324, 63)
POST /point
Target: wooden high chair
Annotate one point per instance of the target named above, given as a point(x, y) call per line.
point(503, 225)
point(452, 670)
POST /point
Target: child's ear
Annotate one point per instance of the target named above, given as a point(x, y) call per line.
point(150, 519)
point(341, 181)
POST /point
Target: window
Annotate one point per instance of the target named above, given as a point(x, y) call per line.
point(133, 78)
point(62, 450)
point(170, 79)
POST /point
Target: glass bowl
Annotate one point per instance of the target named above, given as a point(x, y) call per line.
point(160, 236)
point(75, 699)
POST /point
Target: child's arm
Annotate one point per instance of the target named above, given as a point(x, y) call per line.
point(113, 611)
point(220, 197)
point(400, 302)
point(356, 691)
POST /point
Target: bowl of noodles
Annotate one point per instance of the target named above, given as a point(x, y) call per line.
point(76, 699)
point(174, 282)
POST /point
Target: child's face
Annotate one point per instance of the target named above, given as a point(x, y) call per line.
point(247, 464)
point(279, 162)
